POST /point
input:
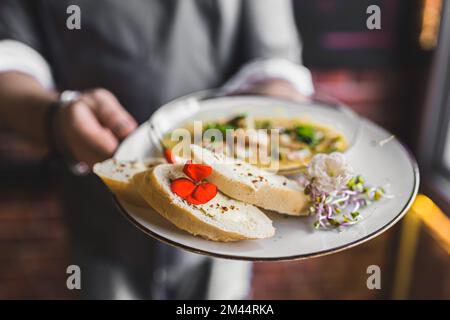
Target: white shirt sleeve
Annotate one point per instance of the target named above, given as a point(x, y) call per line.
point(17, 56)
point(267, 69)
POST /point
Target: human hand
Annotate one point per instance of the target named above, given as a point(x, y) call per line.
point(92, 127)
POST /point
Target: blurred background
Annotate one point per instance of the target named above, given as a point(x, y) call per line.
point(393, 76)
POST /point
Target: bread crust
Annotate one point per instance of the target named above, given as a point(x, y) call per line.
point(122, 187)
point(253, 185)
point(150, 188)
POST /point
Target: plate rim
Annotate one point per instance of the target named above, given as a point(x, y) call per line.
point(298, 257)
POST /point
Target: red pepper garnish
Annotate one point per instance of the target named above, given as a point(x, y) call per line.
point(196, 172)
point(193, 190)
point(183, 187)
point(168, 155)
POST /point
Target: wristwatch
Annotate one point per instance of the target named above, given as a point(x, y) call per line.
point(57, 146)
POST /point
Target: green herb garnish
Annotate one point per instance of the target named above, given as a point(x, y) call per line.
point(219, 126)
point(308, 135)
point(265, 124)
point(238, 121)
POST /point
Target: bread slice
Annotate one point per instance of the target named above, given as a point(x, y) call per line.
point(220, 219)
point(117, 176)
point(245, 182)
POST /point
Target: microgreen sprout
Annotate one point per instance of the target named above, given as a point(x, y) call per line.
point(340, 208)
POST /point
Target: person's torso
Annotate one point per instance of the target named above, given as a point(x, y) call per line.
point(145, 52)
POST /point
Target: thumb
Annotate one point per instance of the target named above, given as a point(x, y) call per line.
point(111, 114)
point(89, 133)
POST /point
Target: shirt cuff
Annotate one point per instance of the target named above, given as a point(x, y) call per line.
point(267, 69)
point(17, 56)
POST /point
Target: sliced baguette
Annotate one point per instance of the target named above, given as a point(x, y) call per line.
point(117, 176)
point(245, 182)
point(220, 219)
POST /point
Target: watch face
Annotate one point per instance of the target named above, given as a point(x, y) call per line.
point(79, 168)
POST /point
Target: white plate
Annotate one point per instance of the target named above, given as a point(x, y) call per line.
point(388, 163)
